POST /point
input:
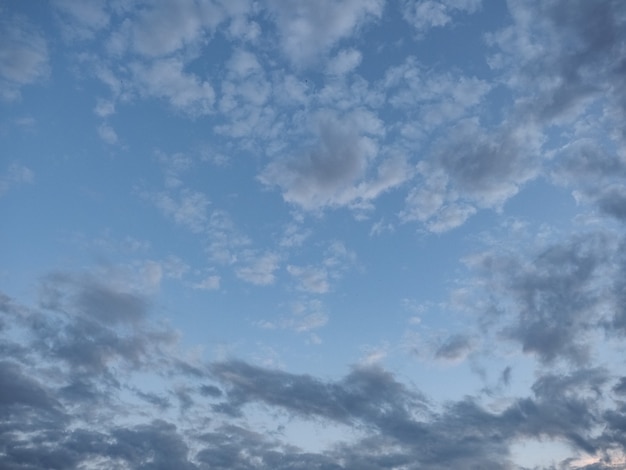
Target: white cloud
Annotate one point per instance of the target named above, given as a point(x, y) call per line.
point(165, 27)
point(187, 209)
point(242, 28)
point(311, 278)
point(225, 241)
point(344, 62)
point(426, 14)
point(82, 19)
point(381, 227)
point(107, 133)
point(104, 108)
point(208, 283)
point(423, 201)
point(243, 63)
point(174, 166)
point(257, 268)
point(449, 217)
point(244, 100)
point(15, 175)
point(309, 29)
point(294, 235)
point(432, 99)
point(166, 79)
point(306, 315)
point(23, 56)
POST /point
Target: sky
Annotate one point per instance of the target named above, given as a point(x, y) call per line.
point(313, 234)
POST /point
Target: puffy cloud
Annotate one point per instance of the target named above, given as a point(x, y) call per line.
point(319, 176)
point(564, 53)
point(344, 62)
point(472, 169)
point(597, 173)
point(553, 300)
point(107, 133)
point(426, 14)
point(333, 172)
point(308, 30)
point(258, 268)
point(166, 79)
point(82, 19)
point(165, 27)
point(490, 169)
point(104, 108)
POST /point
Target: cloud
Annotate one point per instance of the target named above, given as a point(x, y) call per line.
point(344, 62)
point(23, 56)
point(166, 79)
point(107, 133)
point(489, 169)
point(104, 108)
point(306, 315)
point(245, 101)
point(570, 55)
point(472, 169)
point(257, 268)
point(18, 389)
point(307, 31)
point(333, 171)
point(455, 348)
point(401, 429)
point(82, 20)
point(208, 283)
point(311, 278)
point(389, 424)
point(596, 173)
point(426, 14)
point(165, 27)
point(16, 174)
point(553, 300)
point(90, 297)
point(360, 395)
point(317, 278)
point(188, 209)
point(319, 176)
point(225, 242)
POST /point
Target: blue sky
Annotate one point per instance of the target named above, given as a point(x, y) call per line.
point(330, 234)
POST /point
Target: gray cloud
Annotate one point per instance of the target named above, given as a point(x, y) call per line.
point(92, 299)
point(364, 391)
point(337, 168)
point(454, 348)
point(553, 301)
point(396, 424)
point(321, 175)
point(489, 169)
